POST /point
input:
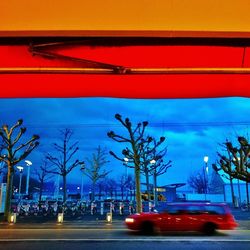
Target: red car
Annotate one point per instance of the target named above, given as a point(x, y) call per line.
point(203, 217)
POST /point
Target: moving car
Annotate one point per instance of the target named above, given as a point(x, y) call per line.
point(203, 217)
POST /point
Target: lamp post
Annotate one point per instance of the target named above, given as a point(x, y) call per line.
point(82, 169)
point(205, 172)
point(1, 171)
point(28, 164)
point(20, 169)
point(239, 193)
point(126, 165)
point(152, 162)
point(126, 160)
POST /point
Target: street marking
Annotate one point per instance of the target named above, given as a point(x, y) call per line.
point(129, 240)
point(102, 229)
point(64, 229)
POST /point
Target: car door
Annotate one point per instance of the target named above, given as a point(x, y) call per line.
point(174, 219)
point(194, 217)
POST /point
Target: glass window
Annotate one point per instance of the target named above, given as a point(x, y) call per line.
point(195, 209)
point(214, 210)
point(176, 209)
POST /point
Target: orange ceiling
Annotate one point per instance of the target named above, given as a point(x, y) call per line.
point(130, 17)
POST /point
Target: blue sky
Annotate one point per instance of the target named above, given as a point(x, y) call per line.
point(192, 127)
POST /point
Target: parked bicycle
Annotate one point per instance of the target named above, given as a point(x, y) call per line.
point(245, 206)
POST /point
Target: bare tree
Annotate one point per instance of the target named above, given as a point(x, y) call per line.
point(101, 184)
point(94, 171)
point(112, 187)
point(198, 182)
point(123, 184)
point(152, 161)
point(135, 135)
point(64, 162)
point(130, 186)
point(43, 175)
point(236, 164)
point(13, 153)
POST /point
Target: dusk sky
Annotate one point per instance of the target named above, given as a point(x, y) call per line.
point(192, 127)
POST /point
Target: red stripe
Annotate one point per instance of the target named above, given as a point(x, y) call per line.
point(139, 86)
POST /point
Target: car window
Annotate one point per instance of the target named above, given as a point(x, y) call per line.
point(195, 209)
point(176, 209)
point(214, 209)
point(191, 209)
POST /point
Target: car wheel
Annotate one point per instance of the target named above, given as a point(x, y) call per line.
point(209, 228)
point(147, 228)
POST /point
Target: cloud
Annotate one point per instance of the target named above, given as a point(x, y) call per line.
point(193, 127)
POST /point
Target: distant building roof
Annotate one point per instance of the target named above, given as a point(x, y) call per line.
point(175, 185)
point(227, 181)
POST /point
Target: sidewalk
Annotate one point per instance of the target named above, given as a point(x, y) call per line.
point(84, 221)
point(240, 215)
point(89, 221)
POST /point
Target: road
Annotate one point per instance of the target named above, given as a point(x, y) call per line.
point(115, 236)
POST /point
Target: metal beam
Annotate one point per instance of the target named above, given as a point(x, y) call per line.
point(125, 71)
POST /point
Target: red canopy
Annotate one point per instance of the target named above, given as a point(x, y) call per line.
point(132, 70)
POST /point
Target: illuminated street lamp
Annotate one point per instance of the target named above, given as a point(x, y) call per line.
point(125, 163)
point(20, 169)
point(153, 162)
point(126, 160)
point(28, 164)
point(206, 161)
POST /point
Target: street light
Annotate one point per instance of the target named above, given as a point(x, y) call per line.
point(82, 169)
point(152, 162)
point(20, 169)
point(1, 171)
point(239, 192)
point(205, 172)
point(126, 160)
point(28, 164)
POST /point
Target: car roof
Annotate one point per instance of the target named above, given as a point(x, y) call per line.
point(195, 204)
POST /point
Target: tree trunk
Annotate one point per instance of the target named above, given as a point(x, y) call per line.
point(93, 192)
point(138, 185)
point(40, 192)
point(100, 193)
point(122, 191)
point(8, 193)
point(232, 191)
